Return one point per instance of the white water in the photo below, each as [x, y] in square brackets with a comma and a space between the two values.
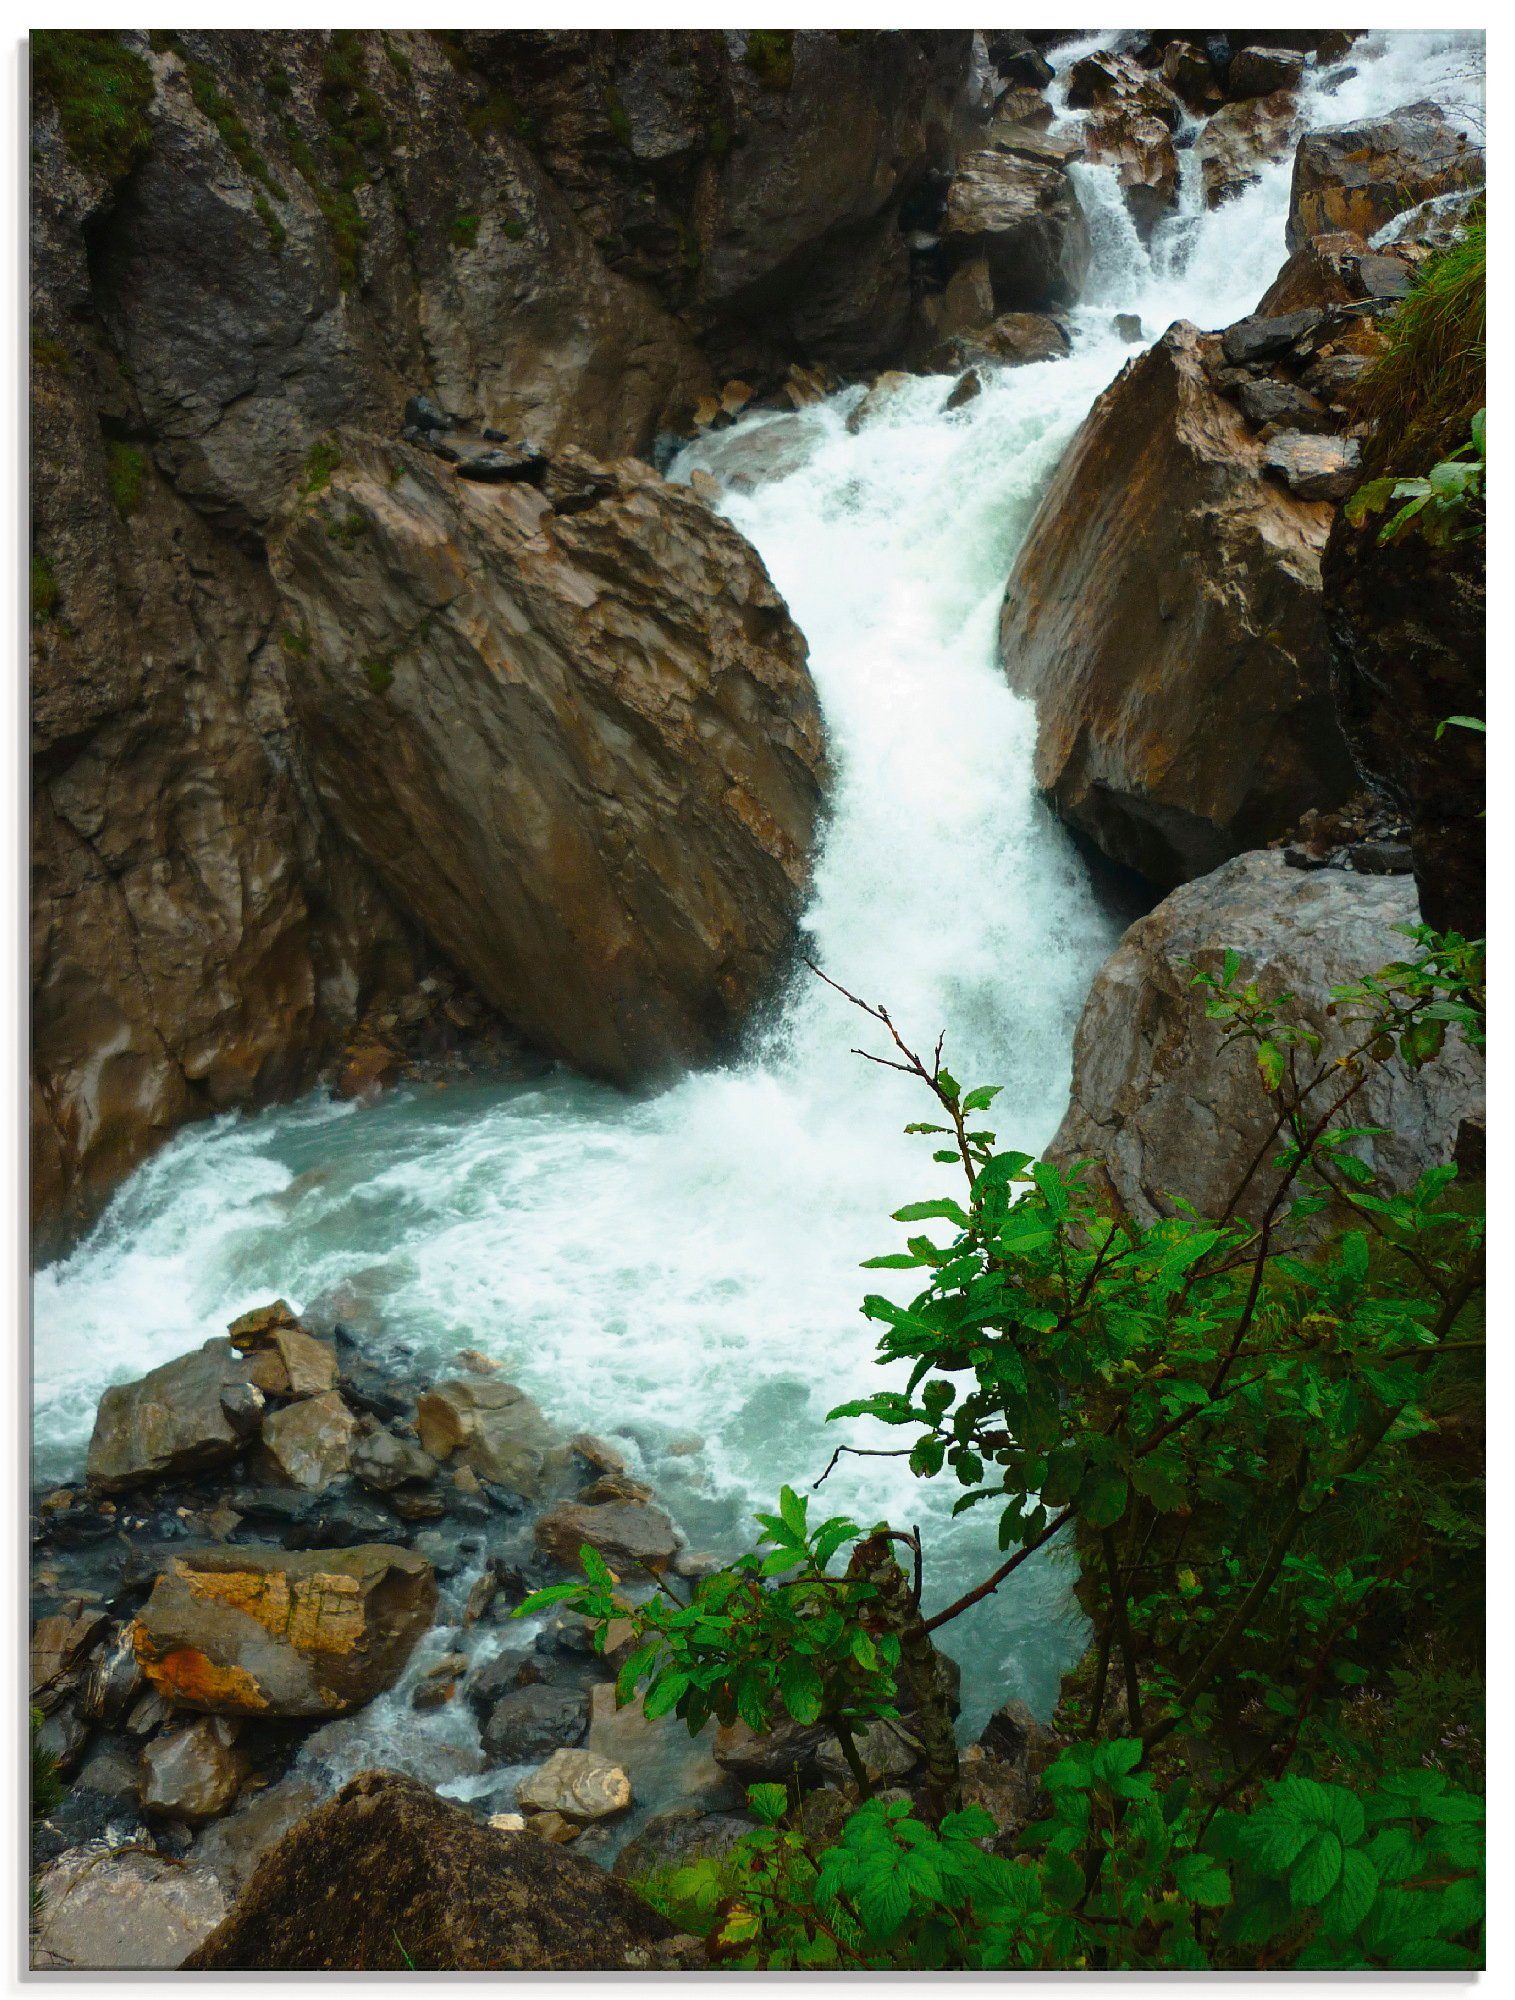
[685, 1267]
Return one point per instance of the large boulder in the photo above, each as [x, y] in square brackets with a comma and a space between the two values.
[492, 1426]
[1164, 614]
[193, 1413]
[1132, 116]
[629, 1534]
[1167, 1112]
[1361, 175]
[570, 725]
[1022, 217]
[1241, 139]
[387, 1877]
[248, 1631]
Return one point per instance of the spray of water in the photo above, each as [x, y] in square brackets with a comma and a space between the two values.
[683, 1269]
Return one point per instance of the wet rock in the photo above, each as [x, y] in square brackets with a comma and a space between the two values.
[113, 1682]
[629, 1535]
[1167, 1112]
[171, 1422]
[309, 1444]
[1316, 468]
[253, 1631]
[496, 1428]
[645, 683]
[59, 1647]
[1107, 77]
[1190, 75]
[527, 1723]
[1261, 338]
[427, 1888]
[964, 390]
[1169, 628]
[1022, 218]
[492, 467]
[1325, 271]
[1241, 139]
[147, 1714]
[1361, 175]
[1270, 400]
[1014, 1735]
[677, 1838]
[663, 1761]
[1012, 340]
[232, 1846]
[384, 1462]
[499, 1676]
[576, 1783]
[776, 1756]
[1128, 326]
[422, 414]
[292, 1363]
[886, 1756]
[128, 1912]
[1255, 72]
[1132, 116]
[1015, 60]
[1005, 1790]
[64, 1736]
[192, 1773]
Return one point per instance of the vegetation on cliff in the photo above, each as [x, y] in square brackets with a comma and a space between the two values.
[1267, 1454]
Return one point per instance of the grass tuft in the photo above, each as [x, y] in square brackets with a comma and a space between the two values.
[1422, 393]
[125, 470]
[102, 90]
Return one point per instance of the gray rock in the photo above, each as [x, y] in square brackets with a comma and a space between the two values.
[629, 1534]
[1315, 468]
[1270, 401]
[494, 467]
[1022, 218]
[113, 1682]
[1259, 339]
[192, 1773]
[675, 1839]
[384, 1462]
[172, 1421]
[126, 1912]
[529, 1722]
[1165, 1112]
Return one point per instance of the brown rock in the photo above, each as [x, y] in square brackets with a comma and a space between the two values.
[1022, 218]
[499, 1431]
[252, 1331]
[781, 1755]
[1166, 1111]
[1316, 468]
[184, 1417]
[531, 678]
[1259, 72]
[113, 1682]
[264, 1631]
[628, 1534]
[127, 1911]
[1325, 271]
[309, 1444]
[192, 1773]
[1190, 75]
[1164, 613]
[426, 1888]
[60, 1643]
[1360, 176]
[577, 1784]
[1243, 138]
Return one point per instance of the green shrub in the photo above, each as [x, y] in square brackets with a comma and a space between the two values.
[273, 227]
[464, 230]
[102, 90]
[379, 671]
[321, 461]
[347, 531]
[47, 1783]
[125, 470]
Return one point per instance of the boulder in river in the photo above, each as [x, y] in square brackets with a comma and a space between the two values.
[1361, 175]
[1022, 217]
[187, 1416]
[309, 1443]
[279, 1633]
[192, 1772]
[1164, 613]
[1241, 139]
[492, 1426]
[577, 1784]
[423, 1887]
[629, 1534]
[1167, 1112]
[529, 1722]
[581, 748]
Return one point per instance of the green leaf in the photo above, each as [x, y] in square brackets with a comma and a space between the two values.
[1352, 1898]
[1202, 1880]
[1316, 1869]
[1270, 1062]
[768, 1803]
[792, 1510]
[932, 1211]
[1102, 1497]
[801, 1688]
[981, 1098]
[665, 1694]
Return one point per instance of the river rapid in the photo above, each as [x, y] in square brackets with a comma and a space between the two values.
[679, 1271]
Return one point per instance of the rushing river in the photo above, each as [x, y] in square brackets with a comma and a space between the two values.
[681, 1270]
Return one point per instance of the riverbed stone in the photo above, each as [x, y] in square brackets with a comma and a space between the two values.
[385, 1462]
[578, 1784]
[192, 1773]
[309, 1443]
[271, 1632]
[630, 1535]
[529, 1722]
[173, 1421]
[113, 1681]
[99, 1910]
[492, 1426]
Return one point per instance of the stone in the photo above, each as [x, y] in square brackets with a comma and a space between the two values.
[132, 1911]
[1264, 339]
[310, 1365]
[497, 1429]
[1190, 75]
[261, 1632]
[1015, 60]
[1325, 271]
[426, 1888]
[518, 462]
[1012, 340]
[192, 1773]
[666, 1765]
[1107, 77]
[630, 1535]
[64, 1736]
[169, 1423]
[113, 1682]
[578, 1784]
[1316, 468]
[309, 1443]
[1167, 1112]
[1241, 139]
[1255, 72]
[338, 1518]
[425, 415]
[1271, 400]
[1128, 326]
[252, 1331]
[385, 1462]
[232, 1846]
[886, 1757]
[630, 947]
[528, 1722]
[1360, 175]
[1164, 613]
[964, 390]
[781, 1755]
[1022, 218]
[59, 1646]
[1014, 1735]
[497, 1677]
[1125, 134]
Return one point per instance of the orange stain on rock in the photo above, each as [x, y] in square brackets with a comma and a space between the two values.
[321, 1613]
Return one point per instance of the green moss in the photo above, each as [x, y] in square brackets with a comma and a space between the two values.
[615, 116]
[770, 56]
[277, 86]
[347, 531]
[44, 591]
[354, 118]
[296, 644]
[213, 104]
[379, 671]
[464, 230]
[499, 112]
[125, 470]
[50, 353]
[277, 233]
[512, 228]
[1423, 391]
[321, 461]
[399, 62]
[101, 90]
[343, 218]
[717, 139]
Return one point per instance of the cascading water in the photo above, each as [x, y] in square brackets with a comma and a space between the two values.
[682, 1270]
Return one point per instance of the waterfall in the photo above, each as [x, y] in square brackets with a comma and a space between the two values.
[681, 1270]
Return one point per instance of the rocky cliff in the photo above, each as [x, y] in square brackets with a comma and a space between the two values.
[243, 241]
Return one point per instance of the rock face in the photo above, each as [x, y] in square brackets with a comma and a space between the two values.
[1408, 636]
[1243, 138]
[1164, 613]
[1132, 118]
[1022, 218]
[388, 1877]
[494, 1428]
[567, 236]
[262, 1632]
[1166, 1112]
[129, 1912]
[1362, 175]
[194, 1412]
[578, 739]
